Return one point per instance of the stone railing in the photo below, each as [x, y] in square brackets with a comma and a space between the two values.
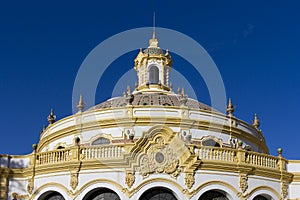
[218, 154]
[79, 153]
[101, 152]
[206, 154]
[51, 157]
[240, 156]
[261, 160]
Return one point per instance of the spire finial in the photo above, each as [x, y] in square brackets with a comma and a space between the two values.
[128, 90]
[171, 86]
[153, 42]
[230, 108]
[154, 31]
[255, 122]
[80, 106]
[51, 117]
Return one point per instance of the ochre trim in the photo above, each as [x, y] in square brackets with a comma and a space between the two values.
[263, 188]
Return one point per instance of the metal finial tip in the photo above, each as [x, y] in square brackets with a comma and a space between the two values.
[51, 117]
[230, 107]
[81, 105]
[34, 146]
[128, 90]
[256, 122]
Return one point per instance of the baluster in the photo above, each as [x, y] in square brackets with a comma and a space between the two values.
[102, 152]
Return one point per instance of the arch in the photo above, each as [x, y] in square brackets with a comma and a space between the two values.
[47, 188]
[262, 197]
[213, 195]
[167, 184]
[101, 184]
[228, 190]
[101, 194]
[211, 143]
[101, 141]
[264, 191]
[153, 74]
[51, 195]
[158, 193]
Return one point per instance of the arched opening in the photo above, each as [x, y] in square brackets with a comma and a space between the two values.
[101, 141]
[262, 197]
[153, 75]
[101, 194]
[158, 193]
[213, 195]
[51, 195]
[211, 143]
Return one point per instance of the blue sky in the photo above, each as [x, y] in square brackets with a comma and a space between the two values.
[254, 44]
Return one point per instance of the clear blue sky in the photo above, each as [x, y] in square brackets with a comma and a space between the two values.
[254, 44]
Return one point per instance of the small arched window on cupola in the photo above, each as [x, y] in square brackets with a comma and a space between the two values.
[101, 141]
[211, 143]
[153, 74]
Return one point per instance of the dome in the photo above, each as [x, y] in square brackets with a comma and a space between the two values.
[153, 99]
[150, 143]
[153, 50]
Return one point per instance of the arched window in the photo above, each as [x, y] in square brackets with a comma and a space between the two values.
[213, 195]
[51, 195]
[101, 194]
[153, 75]
[101, 141]
[211, 143]
[158, 193]
[262, 197]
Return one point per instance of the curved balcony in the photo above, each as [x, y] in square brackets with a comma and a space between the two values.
[109, 156]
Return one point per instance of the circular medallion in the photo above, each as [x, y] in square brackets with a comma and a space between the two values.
[159, 157]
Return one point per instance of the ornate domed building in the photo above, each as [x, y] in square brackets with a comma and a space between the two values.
[150, 144]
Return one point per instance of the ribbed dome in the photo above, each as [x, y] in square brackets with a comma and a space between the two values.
[153, 50]
[152, 99]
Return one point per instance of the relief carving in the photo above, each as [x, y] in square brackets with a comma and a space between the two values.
[74, 180]
[160, 158]
[243, 182]
[189, 180]
[30, 185]
[284, 189]
[129, 179]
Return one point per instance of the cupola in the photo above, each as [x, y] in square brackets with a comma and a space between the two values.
[153, 66]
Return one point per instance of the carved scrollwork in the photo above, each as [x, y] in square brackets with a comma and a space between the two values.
[189, 180]
[160, 158]
[284, 189]
[243, 182]
[74, 180]
[30, 185]
[129, 179]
